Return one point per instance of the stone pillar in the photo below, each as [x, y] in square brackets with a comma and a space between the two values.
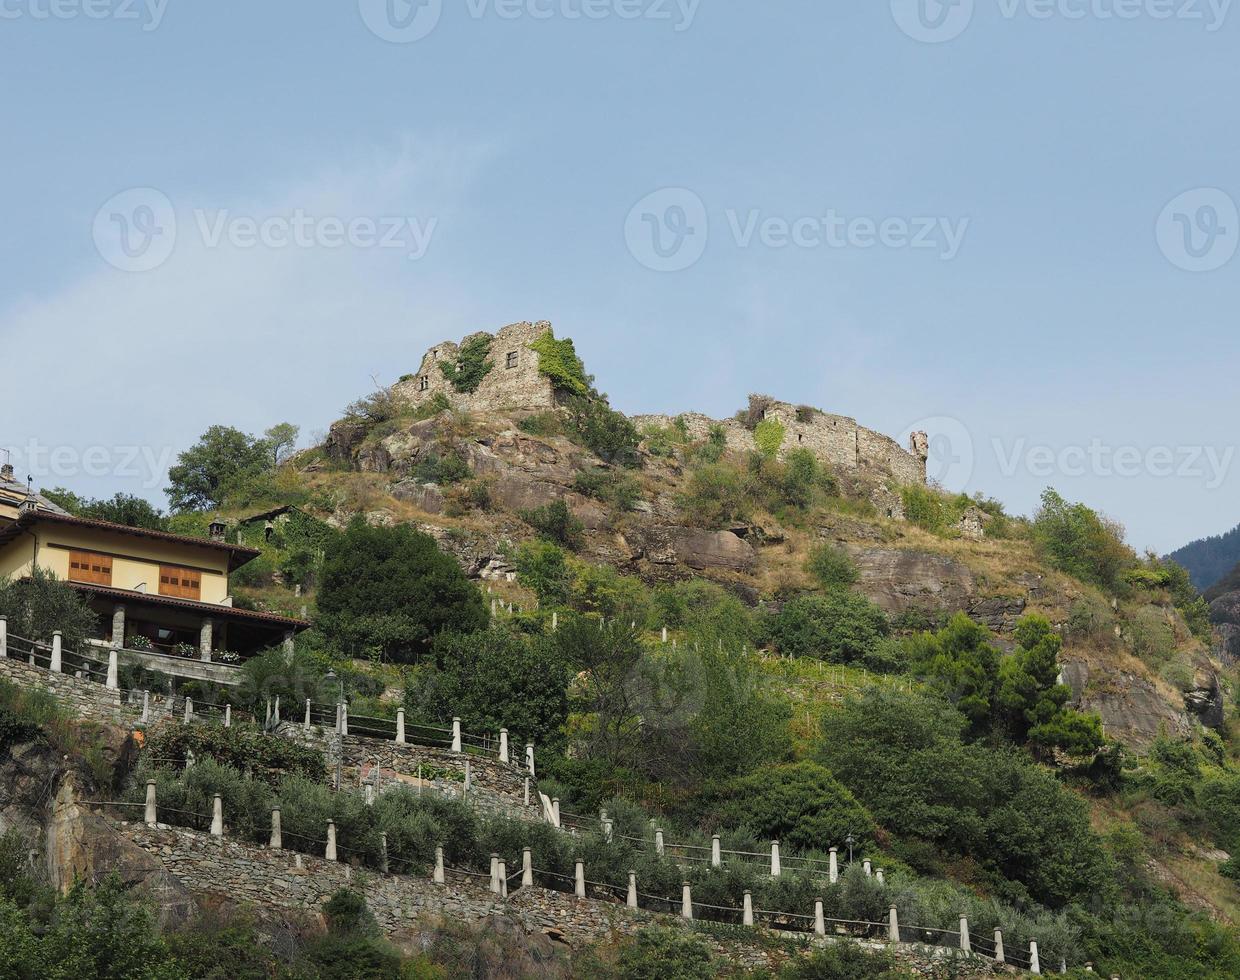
[330, 852]
[344, 718]
[631, 901]
[747, 912]
[114, 671]
[865, 866]
[529, 757]
[57, 664]
[999, 957]
[716, 853]
[368, 794]
[965, 944]
[277, 833]
[456, 734]
[555, 811]
[228, 716]
[206, 638]
[439, 877]
[152, 814]
[146, 707]
[658, 842]
[503, 878]
[880, 877]
[118, 625]
[217, 816]
[400, 726]
[189, 711]
[776, 866]
[503, 745]
[527, 868]
[893, 925]
[494, 872]
[4, 636]
[339, 705]
[527, 790]
[686, 902]
[580, 876]
[307, 725]
[835, 865]
[288, 646]
[1035, 964]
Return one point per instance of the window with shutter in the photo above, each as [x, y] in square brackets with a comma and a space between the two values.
[86, 566]
[182, 583]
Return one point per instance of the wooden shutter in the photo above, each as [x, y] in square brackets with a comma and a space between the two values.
[183, 583]
[86, 566]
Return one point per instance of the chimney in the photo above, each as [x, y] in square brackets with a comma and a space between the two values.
[28, 506]
[216, 529]
[6, 473]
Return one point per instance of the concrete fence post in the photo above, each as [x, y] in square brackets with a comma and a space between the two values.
[664, 634]
[686, 902]
[835, 865]
[631, 901]
[189, 711]
[330, 852]
[1035, 964]
[307, 723]
[527, 790]
[114, 671]
[776, 866]
[999, 957]
[228, 716]
[607, 831]
[152, 813]
[146, 707]
[503, 745]
[555, 811]
[716, 853]
[880, 877]
[865, 866]
[267, 715]
[965, 943]
[495, 872]
[893, 925]
[456, 734]
[217, 816]
[275, 714]
[747, 912]
[400, 726]
[277, 831]
[4, 636]
[344, 718]
[527, 868]
[440, 877]
[57, 654]
[580, 876]
[529, 758]
[658, 842]
[469, 777]
[820, 921]
[368, 794]
[503, 878]
[555, 621]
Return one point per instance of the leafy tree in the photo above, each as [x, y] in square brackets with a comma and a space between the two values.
[800, 804]
[591, 421]
[500, 679]
[833, 567]
[839, 627]
[555, 522]
[221, 459]
[39, 604]
[1077, 540]
[123, 508]
[390, 591]
[962, 663]
[1031, 701]
[543, 567]
[281, 439]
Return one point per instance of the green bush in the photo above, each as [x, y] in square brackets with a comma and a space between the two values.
[555, 522]
[1077, 540]
[617, 489]
[542, 424]
[833, 567]
[243, 747]
[717, 496]
[663, 954]
[839, 627]
[593, 423]
[40, 604]
[444, 468]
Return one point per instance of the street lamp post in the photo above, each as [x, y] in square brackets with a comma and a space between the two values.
[850, 840]
[331, 676]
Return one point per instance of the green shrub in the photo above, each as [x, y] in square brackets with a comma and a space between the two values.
[555, 522]
[437, 404]
[40, 604]
[664, 954]
[833, 567]
[593, 423]
[444, 468]
[716, 497]
[243, 747]
[612, 487]
[542, 424]
[768, 435]
[840, 627]
[1080, 542]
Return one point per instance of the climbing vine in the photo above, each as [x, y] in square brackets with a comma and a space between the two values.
[769, 436]
[471, 364]
[558, 360]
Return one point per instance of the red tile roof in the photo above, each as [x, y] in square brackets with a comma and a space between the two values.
[208, 608]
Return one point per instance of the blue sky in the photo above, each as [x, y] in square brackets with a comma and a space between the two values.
[967, 218]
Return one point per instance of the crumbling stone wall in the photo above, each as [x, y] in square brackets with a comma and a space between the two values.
[834, 439]
[514, 382]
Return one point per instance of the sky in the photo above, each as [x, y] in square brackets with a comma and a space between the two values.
[1010, 223]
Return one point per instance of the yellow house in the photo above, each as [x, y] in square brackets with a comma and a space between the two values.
[151, 589]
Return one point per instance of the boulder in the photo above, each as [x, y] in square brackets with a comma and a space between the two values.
[663, 544]
[898, 580]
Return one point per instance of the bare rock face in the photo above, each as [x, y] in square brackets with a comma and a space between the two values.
[1205, 699]
[668, 545]
[343, 440]
[897, 580]
[1131, 707]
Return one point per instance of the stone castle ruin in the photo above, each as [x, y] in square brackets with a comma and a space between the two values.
[515, 384]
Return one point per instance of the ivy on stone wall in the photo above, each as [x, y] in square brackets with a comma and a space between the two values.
[558, 360]
[769, 437]
[471, 364]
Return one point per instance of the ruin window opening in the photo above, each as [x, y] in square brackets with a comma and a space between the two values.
[512, 360]
[424, 382]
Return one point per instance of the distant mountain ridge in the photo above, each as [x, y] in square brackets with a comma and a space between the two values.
[1209, 559]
